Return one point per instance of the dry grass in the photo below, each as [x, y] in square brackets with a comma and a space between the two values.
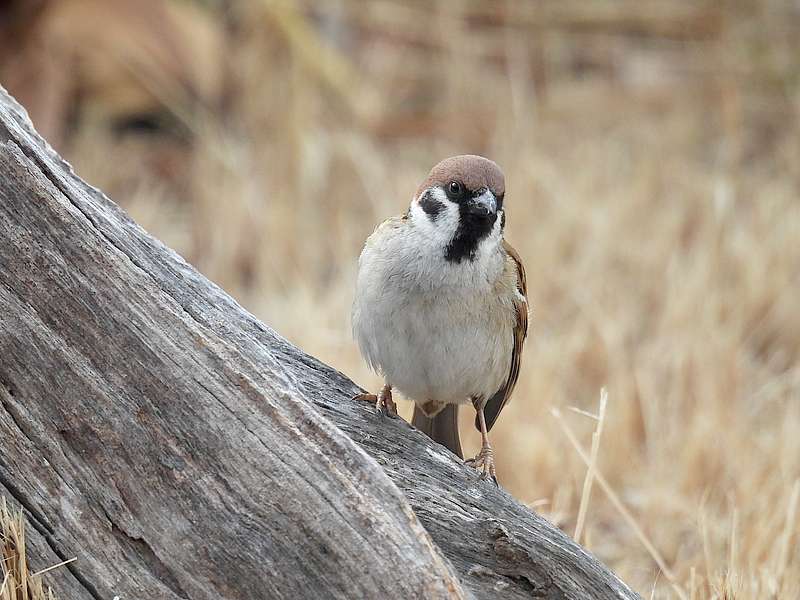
[16, 581]
[652, 154]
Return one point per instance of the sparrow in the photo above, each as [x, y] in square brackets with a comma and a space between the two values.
[440, 308]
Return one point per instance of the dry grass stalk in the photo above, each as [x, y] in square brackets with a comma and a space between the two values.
[620, 506]
[788, 534]
[589, 479]
[18, 582]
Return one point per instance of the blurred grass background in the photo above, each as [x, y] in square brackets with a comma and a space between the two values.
[652, 157]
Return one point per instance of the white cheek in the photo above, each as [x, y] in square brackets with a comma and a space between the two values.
[441, 230]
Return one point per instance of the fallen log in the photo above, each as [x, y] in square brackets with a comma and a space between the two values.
[180, 448]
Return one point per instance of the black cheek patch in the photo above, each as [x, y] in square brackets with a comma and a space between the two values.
[432, 207]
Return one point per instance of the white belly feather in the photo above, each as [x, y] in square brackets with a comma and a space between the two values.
[436, 331]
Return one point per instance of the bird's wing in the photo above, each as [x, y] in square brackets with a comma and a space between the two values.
[496, 403]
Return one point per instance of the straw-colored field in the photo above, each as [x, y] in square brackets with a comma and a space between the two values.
[652, 158]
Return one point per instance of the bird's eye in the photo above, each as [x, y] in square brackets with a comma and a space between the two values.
[454, 188]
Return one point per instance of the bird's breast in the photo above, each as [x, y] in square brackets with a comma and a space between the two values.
[436, 332]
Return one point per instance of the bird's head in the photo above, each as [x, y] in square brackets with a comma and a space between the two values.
[460, 205]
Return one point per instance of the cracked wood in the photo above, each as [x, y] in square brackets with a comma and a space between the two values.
[182, 449]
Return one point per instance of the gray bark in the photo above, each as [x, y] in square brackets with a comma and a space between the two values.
[180, 448]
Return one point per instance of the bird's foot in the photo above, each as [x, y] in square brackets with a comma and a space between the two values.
[365, 397]
[484, 463]
[385, 404]
[383, 401]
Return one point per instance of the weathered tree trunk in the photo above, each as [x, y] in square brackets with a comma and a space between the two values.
[181, 449]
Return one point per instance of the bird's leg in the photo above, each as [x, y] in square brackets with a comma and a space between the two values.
[383, 401]
[484, 461]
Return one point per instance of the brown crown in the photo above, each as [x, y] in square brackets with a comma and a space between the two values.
[474, 172]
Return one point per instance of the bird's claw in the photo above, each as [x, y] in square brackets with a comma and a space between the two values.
[385, 404]
[365, 397]
[484, 464]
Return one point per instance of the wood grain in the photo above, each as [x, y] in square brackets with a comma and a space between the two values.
[180, 448]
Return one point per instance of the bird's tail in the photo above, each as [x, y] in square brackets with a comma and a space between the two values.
[443, 428]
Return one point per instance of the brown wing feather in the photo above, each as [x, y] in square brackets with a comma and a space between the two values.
[496, 403]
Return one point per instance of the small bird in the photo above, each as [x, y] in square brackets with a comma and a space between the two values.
[440, 308]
